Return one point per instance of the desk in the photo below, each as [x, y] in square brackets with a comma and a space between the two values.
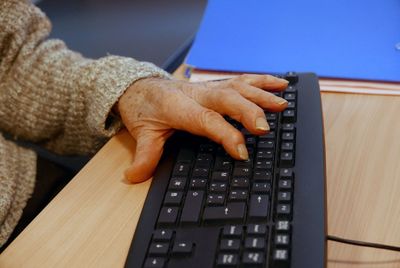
[92, 221]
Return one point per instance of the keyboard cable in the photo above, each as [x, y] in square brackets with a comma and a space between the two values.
[361, 243]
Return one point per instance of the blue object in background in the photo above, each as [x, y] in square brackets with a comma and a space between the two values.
[353, 39]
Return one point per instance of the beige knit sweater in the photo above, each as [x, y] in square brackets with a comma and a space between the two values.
[52, 96]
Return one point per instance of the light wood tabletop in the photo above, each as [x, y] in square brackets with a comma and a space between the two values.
[92, 221]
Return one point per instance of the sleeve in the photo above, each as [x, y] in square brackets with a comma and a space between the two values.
[54, 96]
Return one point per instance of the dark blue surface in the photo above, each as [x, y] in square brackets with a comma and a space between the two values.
[335, 38]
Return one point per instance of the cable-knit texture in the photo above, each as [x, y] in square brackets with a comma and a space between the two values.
[53, 96]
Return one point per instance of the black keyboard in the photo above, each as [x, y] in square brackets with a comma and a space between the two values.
[205, 209]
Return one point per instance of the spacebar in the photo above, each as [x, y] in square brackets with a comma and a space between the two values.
[230, 212]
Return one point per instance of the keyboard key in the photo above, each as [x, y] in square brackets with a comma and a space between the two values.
[173, 198]
[282, 240]
[263, 164]
[182, 248]
[289, 116]
[259, 206]
[181, 169]
[220, 176]
[266, 144]
[244, 164]
[261, 187]
[254, 243]
[284, 197]
[253, 258]
[271, 116]
[257, 229]
[158, 248]
[200, 172]
[292, 77]
[238, 195]
[286, 173]
[285, 185]
[287, 159]
[268, 136]
[223, 164]
[289, 96]
[185, 155]
[192, 207]
[162, 235]
[291, 105]
[291, 89]
[230, 212]
[250, 141]
[230, 245]
[288, 136]
[227, 260]
[240, 183]
[288, 127]
[218, 187]
[215, 199]
[198, 183]
[206, 148]
[154, 263]
[283, 210]
[232, 231]
[241, 172]
[177, 184]
[168, 215]
[287, 146]
[262, 175]
[282, 226]
[204, 160]
[281, 255]
[264, 154]
[272, 125]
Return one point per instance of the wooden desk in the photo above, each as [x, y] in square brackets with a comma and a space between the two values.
[92, 221]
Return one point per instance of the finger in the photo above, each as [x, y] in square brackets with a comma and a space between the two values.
[267, 82]
[149, 148]
[205, 122]
[262, 98]
[230, 102]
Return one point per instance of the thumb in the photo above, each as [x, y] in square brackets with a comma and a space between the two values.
[149, 148]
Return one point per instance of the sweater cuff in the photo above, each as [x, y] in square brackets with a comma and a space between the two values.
[114, 77]
[17, 181]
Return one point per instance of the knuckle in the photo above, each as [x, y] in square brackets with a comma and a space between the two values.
[245, 77]
[207, 117]
[237, 137]
[268, 78]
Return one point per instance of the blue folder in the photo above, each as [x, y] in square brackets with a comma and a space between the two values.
[355, 39]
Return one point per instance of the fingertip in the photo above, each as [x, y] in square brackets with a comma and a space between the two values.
[242, 151]
[136, 175]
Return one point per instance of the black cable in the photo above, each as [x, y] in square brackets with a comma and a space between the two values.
[361, 243]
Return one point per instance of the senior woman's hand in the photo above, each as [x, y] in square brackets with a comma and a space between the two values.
[152, 108]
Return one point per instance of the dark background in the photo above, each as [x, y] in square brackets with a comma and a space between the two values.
[149, 30]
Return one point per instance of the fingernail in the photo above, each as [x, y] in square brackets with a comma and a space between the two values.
[280, 101]
[282, 80]
[242, 150]
[261, 124]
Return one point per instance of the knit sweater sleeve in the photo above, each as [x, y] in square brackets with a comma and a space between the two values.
[52, 95]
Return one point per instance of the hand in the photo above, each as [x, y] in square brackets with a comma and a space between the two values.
[153, 107]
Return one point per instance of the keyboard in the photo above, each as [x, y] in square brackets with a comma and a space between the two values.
[205, 209]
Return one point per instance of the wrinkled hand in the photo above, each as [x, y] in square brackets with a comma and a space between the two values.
[153, 107]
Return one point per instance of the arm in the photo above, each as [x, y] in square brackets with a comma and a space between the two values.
[52, 95]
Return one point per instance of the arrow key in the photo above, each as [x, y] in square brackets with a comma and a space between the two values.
[182, 247]
[158, 248]
[154, 263]
[259, 206]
